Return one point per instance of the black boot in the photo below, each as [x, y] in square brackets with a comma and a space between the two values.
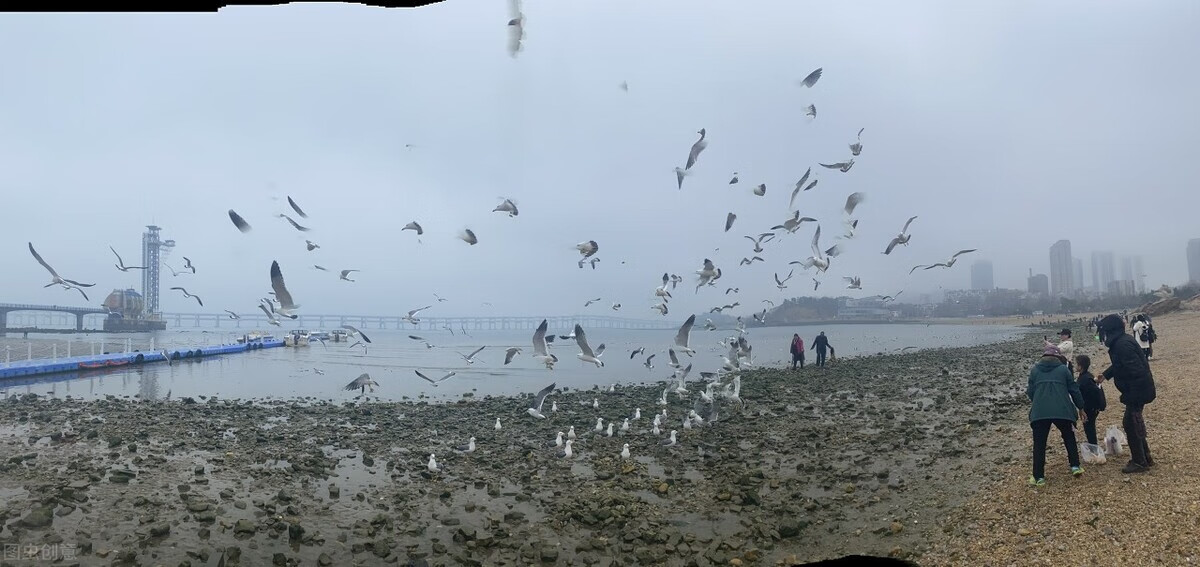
[1146, 452]
[1137, 454]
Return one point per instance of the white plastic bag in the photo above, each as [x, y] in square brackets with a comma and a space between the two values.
[1114, 441]
[1091, 454]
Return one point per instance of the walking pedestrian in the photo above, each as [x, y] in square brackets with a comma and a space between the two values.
[821, 344]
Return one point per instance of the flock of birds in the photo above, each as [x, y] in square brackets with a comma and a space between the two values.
[720, 386]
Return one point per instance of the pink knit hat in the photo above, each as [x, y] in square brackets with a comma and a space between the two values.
[1052, 350]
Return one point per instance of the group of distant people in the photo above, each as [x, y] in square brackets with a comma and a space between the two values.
[820, 344]
[1063, 390]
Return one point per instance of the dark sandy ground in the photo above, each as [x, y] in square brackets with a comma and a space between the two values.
[866, 456]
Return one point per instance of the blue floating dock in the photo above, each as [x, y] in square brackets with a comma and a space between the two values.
[116, 360]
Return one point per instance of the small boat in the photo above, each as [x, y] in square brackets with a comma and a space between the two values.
[338, 336]
[91, 365]
[298, 338]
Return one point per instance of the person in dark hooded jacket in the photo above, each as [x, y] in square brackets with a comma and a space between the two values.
[1130, 371]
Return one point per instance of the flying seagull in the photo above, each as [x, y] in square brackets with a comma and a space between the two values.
[649, 365]
[410, 316]
[435, 382]
[510, 353]
[471, 357]
[856, 147]
[516, 28]
[295, 224]
[238, 221]
[54, 277]
[696, 149]
[322, 268]
[187, 264]
[735, 178]
[591, 301]
[817, 259]
[800, 187]
[414, 226]
[852, 201]
[782, 284]
[346, 273]
[729, 221]
[793, 223]
[708, 273]
[760, 189]
[296, 208]
[311, 245]
[354, 331]
[901, 238]
[468, 236]
[684, 334]
[844, 166]
[624, 86]
[270, 314]
[586, 353]
[540, 346]
[812, 78]
[186, 294]
[439, 298]
[588, 248]
[758, 242]
[508, 206]
[639, 350]
[950, 263]
[853, 282]
[535, 409]
[286, 305]
[811, 111]
[233, 315]
[121, 263]
[362, 383]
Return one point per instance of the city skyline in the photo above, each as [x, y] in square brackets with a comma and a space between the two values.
[1062, 269]
[982, 276]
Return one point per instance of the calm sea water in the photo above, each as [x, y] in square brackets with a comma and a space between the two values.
[323, 371]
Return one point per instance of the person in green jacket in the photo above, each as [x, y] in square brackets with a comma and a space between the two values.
[1056, 401]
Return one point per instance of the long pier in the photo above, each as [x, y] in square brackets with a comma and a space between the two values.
[55, 311]
[477, 323]
[107, 361]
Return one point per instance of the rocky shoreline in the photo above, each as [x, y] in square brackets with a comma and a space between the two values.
[865, 456]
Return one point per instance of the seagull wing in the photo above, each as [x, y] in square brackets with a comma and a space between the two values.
[415, 311]
[264, 308]
[541, 397]
[360, 382]
[295, 224]
[729, 221]
[539, 339]
[915, 268]
[119, 260]
[509, 354]
[799, 187]
[430, 380]
[905, 230]
[238, 221]
[961, 252]
[281, 292]
[891, 245]
[296, 208]
[581, 339]
[681, 338]
[448, 376]
[38, 257]
[812, 78]
[674, 359]
[477, 351]
[816, 239]
[852, 201]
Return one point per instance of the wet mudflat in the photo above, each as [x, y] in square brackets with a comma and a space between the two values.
[865, 456]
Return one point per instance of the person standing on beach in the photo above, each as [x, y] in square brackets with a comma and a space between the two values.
[1130, 371]
[797, 351]
[821, 344]
[1141, 334]
[1066, 347]
[1056, 401]
[1093, 397]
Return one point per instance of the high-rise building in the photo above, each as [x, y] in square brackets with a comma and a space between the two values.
[1062, 269]
[1103, 271]
[981, 276]
[1193, 259]
[1139, 275]
[1125, 268]
[1039, 284]
[1078, 273]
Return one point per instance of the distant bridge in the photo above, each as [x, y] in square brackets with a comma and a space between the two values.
[78, 312]
[478, 323]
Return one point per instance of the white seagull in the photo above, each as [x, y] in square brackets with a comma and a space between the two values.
[800, 187]
[286, 305]
[696, 149]
[682, 337]
[54, 277]
[435, 382]
[540, 346]
[508, 206]
[516, 28]
[586, 355]
[535, 409]
[510, 353]
[121, 263]
[471, 358]
[853, 282]
[410, 316]
[901, 238]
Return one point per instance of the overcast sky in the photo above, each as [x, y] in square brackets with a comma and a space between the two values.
[1005, 126]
